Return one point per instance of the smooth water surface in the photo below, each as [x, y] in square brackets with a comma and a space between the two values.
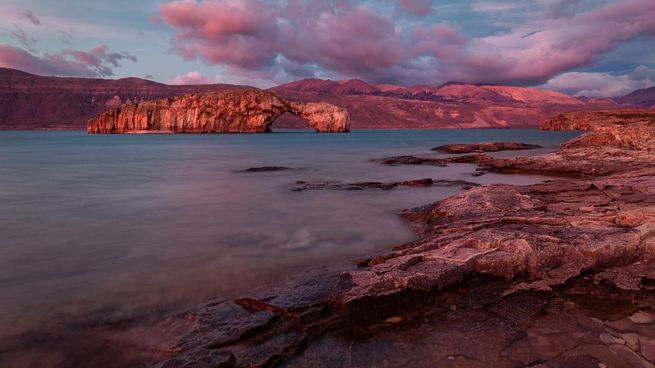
[110, 224]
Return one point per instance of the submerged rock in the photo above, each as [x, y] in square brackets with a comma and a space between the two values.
[484, 147]
[267, 169]
[418, 183]
[243, 111]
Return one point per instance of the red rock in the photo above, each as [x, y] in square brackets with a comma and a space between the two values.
[245, 111]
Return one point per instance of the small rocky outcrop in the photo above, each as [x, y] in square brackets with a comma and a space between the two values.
[485, 147]
[244, 111]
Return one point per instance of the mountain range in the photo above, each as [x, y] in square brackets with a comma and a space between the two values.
[29, 101]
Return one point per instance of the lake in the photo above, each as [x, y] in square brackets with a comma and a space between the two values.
[105, 226]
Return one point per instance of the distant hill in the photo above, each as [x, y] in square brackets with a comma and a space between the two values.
[29, 101]
[452, 105]
[642, 97]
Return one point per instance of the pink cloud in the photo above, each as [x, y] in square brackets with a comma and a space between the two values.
[283, 40]
[92, 63]
[190, 78]
[227, 32]
[535, 52]
[252, 35]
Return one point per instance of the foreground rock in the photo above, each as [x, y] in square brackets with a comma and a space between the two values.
[484, 147]
[243, 111]
[555, 274]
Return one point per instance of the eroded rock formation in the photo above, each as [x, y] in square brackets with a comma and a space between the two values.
[245, 111]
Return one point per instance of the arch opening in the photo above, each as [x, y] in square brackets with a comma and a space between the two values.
[289, 121]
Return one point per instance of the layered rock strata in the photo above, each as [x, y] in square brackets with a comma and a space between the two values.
[244, 111]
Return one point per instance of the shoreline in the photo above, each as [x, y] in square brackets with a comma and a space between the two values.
[595, 231]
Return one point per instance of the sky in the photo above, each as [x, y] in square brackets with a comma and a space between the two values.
[594, 48]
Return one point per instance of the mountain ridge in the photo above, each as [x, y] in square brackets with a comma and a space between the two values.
[29, 101]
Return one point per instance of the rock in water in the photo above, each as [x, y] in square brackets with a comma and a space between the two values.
[485, 147]
[244, 111]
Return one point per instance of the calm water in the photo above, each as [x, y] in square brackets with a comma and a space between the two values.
[111, 224]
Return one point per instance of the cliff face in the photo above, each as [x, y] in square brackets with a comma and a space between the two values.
[245, 111]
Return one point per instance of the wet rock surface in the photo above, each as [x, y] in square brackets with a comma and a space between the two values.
[557, 274]
[484, 147]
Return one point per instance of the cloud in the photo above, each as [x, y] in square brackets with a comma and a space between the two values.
[97, 62]
[603, 84]
[562, 8]
[493, 7]
[565, 43]
[190, 78]
[24, 39]
[29, 15]
[291, 39]
[418, 8]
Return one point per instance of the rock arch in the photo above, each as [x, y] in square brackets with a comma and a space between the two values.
[242, 111]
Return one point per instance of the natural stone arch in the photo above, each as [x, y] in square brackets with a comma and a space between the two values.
[320, 116]
[242, 111]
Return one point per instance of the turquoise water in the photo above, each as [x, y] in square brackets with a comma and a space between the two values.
[101, 225]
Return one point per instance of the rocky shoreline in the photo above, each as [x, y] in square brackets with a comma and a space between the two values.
[556, 274]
